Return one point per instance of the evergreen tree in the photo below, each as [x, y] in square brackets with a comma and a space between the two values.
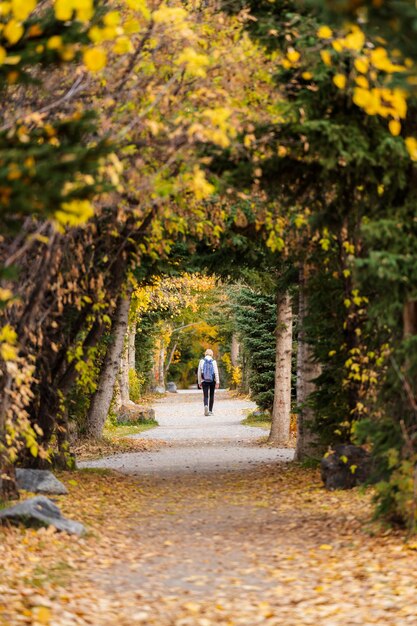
[255, 315]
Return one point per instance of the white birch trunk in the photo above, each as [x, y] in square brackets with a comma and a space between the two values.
[132, 345]
[124, 373]
[234, 350]
[170, 358]
[117, 396]
[307, 371]
[161, 364]
[101, 401]
[281, 412]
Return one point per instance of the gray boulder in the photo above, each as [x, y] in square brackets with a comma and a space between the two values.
[261, 415]
[346, 467]
[39, 481]
[134, 414]
[172, 387]
[159, 389]
[40, 512]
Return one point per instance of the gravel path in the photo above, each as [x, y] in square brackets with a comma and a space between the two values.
[197, 443]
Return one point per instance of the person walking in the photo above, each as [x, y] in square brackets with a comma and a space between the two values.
[208, 379]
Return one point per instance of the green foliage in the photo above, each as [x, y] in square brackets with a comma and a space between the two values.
[116, 430]
[258, 419]
[255, 316]
[145, 345]
[60, 153]
[136, 384]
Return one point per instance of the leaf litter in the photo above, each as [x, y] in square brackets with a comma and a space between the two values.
[265, 546]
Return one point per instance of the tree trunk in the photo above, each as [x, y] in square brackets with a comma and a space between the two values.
[307, 371]
[117, 396]
[234, 350]
[410, 318]
[124, 373]
[132, 345]
[244, 386]
[127, 363]
[8, 488]
[161, 364]
[170, 357]
[281, 412]
[100, 403]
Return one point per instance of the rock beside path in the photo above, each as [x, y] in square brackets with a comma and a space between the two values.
[346, 467]
[172, 387]
[39, 481]
[40, 512]
[134, 413]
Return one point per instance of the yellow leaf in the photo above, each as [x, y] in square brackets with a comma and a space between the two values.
[141, 6]
[13, 31]
[95, 59]
[123, 45]
[324, 32]
[131, 26]
[5, 294]
[166, 14]
[54, 42]
[200, 185]
[325, 546]
[42, 615]
[63, 10]
[361, 64]
[361, 81]
[326, 57]
[394, 127]
[21, 9]
[112, 18]
[411, 145]
[340, 81]
[292, 55]
[8, 352]
[5, 8]
[74, 212]
[355, 40]
[194, 62]
[8, 334]
[84, 9]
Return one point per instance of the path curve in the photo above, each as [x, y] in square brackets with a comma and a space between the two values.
[198, 443]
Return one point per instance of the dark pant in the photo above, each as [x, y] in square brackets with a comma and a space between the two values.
[208, 389]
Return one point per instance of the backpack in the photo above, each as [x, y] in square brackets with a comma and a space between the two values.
[208, 371]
